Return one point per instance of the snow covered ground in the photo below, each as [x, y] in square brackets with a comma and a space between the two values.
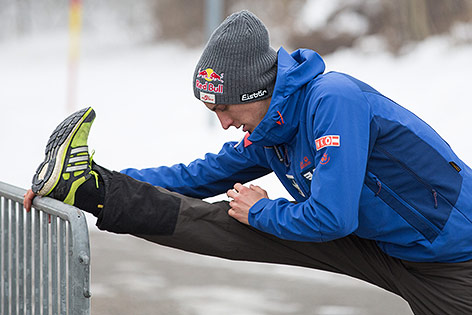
[147, 115]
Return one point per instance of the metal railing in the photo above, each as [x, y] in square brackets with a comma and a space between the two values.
[45, 256]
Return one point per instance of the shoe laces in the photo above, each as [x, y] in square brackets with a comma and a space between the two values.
[92, 172]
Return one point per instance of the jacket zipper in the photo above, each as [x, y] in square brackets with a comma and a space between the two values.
[282, 156]
[418, 178]
[392, 193]
[389, 190]
[279, 155]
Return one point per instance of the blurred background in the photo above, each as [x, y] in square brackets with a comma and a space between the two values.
[133, 62]
[322, 25]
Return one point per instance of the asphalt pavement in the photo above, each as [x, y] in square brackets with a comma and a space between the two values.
[131, 276]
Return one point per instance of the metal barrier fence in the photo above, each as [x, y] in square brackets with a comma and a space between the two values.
[45, 256]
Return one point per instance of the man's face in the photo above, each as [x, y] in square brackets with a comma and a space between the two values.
[247, 115]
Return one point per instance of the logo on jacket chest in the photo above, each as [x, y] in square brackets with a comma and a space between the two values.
[294, 183]
[307, 168]
[308, 174]
[306, 162]
[303, 183]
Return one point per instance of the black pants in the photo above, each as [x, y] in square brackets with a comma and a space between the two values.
[174, 220]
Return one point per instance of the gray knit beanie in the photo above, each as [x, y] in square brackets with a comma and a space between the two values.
[237, 65]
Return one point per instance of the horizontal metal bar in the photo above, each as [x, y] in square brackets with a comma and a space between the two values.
[46, 204]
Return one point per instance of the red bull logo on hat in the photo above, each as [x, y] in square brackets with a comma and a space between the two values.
[211, 80]
[210, 75]
[209, 87]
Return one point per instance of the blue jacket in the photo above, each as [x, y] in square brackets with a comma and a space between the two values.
[355, 161]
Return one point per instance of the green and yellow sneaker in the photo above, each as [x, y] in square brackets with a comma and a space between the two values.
[67, 164]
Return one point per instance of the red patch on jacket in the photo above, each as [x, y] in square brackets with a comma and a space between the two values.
[327, 141]
[246, 140]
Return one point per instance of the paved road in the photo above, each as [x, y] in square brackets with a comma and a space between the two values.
[132, 276]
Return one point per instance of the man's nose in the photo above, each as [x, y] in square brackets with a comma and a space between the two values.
[225, 121]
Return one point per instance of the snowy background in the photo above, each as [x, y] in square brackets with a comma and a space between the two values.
[147, 116]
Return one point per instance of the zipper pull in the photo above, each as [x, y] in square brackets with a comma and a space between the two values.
[380, 187]
[286, 160]
[279, 155]
[435, 196]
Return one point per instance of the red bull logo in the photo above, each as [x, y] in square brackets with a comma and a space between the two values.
[209, 87]
[210, 75]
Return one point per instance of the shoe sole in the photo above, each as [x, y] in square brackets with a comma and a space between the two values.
[48, 173]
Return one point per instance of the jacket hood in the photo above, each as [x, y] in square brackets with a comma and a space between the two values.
[294, 71]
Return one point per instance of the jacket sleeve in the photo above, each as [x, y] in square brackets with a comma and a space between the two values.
[207, 177]
[331, 211]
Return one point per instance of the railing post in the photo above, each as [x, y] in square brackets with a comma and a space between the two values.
[14, 250]
[6, 255]
[21, 260]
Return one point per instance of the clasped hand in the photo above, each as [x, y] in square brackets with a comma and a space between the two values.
[243, 198]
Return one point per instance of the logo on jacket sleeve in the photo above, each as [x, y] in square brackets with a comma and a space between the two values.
[327, 141]
[325, 159]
